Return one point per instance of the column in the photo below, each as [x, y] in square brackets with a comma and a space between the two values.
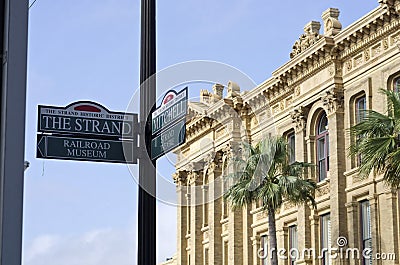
[196, 236]
[333, 102]
[389, 233]
[353, 221]
[181, 190]
[215, 211]
[304, 211]
[314, 225]
[373, 203]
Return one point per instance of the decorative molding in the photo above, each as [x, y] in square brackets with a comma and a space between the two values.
[332, 100]
[298, 116]
[180, 177]
[323, 190]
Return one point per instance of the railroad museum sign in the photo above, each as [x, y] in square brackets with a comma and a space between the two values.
[87, 131]
[168, 123]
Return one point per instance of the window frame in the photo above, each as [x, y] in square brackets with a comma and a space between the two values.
[357, 118]
[395, 84]
[322, 136]
[264, 242]
[365, 239]
[325, 220]
[292, 230]
[291, 145]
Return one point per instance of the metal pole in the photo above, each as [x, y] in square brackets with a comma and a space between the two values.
[147, 167]
[14, 38]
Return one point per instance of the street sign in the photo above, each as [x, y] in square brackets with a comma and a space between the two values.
[70, 148]
[168, 139]
[87, 118]
[172, 109]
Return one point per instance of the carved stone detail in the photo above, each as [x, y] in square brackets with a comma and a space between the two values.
[299, 118]
[332, 100]
[366, 55]
[323, 190]
[289, 205]
[297, 91]
[180, 177]
[385, 43]
[218, 90]
[332, 25]
[307, 39]
[349, 65]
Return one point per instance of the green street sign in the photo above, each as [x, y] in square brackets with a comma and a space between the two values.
[168, 140]
[87, 118]
[173, 108]
[84, 149]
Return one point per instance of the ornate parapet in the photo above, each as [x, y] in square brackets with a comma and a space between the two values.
[307, 39]
[298, 116]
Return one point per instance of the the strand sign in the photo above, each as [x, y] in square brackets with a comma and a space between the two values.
[86, 118]
[87, 131]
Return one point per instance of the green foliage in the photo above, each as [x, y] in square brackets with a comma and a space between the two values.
[263, 172]
[378, 140]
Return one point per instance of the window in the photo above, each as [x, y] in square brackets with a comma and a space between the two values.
[360, 114]
[188, 213]
[366, 237]
[325, 238]
[396, 84]
[322, 147]
[206, 256]
[264, 246]
[205, 202]
[293, 246]
[225, 253]
[361, 106]
[291, 148]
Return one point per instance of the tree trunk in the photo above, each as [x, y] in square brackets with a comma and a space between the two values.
[273, 249]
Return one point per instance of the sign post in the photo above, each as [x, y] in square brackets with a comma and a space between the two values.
[13, 47]
[147, 167]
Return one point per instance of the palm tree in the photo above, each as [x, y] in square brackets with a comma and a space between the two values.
[378, 141]
[263, 173]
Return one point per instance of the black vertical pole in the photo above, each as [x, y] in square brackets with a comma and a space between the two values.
[13, 65]
[147, 167]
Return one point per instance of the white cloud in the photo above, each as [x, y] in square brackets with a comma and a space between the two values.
[103, 246]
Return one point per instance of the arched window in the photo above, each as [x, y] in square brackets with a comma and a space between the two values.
[360, 114]
[361, 106]
[396, 84]
[291, 147]
[322, 141]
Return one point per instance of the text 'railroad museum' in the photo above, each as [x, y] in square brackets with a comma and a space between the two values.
[333, 75]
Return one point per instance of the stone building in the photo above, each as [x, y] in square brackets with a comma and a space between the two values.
[333, 75]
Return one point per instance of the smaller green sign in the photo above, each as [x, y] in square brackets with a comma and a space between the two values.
[168, 140]
[71, 148]
[173, 108]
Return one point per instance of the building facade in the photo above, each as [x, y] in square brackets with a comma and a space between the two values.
[333, 75]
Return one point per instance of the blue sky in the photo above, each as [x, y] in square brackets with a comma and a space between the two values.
[79, 213]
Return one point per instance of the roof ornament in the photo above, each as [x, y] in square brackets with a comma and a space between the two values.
[332, 25]
[307, 39]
